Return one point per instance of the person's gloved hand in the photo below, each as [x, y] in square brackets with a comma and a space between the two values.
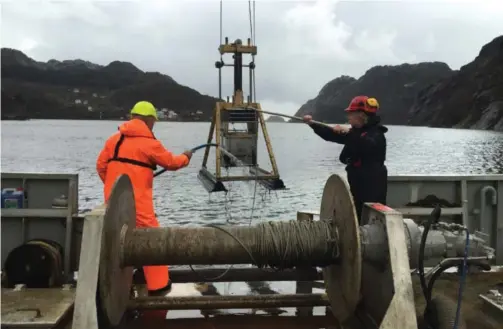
[188, 154]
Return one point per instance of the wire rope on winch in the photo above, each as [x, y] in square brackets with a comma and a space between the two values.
[236, 161]
[221, 22]
[251, 13]
[281, 245]
[252, 37]
[221, 55]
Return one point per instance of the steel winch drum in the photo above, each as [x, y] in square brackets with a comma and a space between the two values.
[342, 280]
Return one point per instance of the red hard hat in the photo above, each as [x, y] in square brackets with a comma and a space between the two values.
[363, 103]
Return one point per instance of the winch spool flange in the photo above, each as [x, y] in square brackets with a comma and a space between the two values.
[115, 280]
[342, 280]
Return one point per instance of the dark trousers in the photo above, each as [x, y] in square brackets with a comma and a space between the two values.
[367, 184]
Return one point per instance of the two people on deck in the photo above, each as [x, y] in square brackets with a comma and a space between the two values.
[134, 150]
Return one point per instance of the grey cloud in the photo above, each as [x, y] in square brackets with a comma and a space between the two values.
[302, 45]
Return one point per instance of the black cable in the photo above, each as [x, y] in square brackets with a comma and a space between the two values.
[192, 150]
[435, 215]
[230, 267]
[449, 263]
[284, 262]
[163, 171]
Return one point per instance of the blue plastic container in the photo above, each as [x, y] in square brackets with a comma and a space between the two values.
[12, 198]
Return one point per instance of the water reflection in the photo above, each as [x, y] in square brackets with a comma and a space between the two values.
[305, 162]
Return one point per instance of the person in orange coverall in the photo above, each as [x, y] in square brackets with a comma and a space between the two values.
[135, 151]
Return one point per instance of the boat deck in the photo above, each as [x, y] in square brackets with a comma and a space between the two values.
[43, 308]
[477, 313]
[468, 203]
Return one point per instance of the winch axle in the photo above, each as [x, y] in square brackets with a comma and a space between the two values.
[234, 302]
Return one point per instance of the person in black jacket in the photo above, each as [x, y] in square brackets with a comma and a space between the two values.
[364, 150]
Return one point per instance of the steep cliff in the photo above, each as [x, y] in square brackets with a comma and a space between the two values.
[470, 98]
[327, 97]
[395, 87]
[77, 89]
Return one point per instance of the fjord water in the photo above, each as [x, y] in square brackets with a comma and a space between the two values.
[305, 162]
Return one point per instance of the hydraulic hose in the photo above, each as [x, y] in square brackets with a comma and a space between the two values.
[452, 263]
[191, 150]
[202, 146]
[435, 215]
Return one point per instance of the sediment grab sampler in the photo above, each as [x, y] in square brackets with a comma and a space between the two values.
[237, 123]
[366, 269]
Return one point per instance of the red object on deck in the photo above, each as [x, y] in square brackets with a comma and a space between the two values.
[381, 207]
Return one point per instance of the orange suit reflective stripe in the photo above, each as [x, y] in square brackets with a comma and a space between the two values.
[140, 145]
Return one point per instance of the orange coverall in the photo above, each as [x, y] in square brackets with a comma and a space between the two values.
[135, 151]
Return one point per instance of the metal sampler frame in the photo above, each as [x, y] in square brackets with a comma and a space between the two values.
[241, 143]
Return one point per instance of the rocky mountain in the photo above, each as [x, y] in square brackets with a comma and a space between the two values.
[77, 89]
[395, 87]
[470, 98]
[327, 95]
[426, 94]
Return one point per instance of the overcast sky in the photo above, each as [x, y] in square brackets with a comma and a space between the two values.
[301, 45]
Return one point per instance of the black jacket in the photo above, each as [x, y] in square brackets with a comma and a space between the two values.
[363, 154]
[363, 147]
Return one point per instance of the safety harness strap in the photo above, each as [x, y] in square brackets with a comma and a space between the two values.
[126, 160]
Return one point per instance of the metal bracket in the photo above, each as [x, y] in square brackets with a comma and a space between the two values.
[387, 296]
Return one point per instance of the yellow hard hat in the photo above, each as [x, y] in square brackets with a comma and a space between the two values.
[144, 108]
